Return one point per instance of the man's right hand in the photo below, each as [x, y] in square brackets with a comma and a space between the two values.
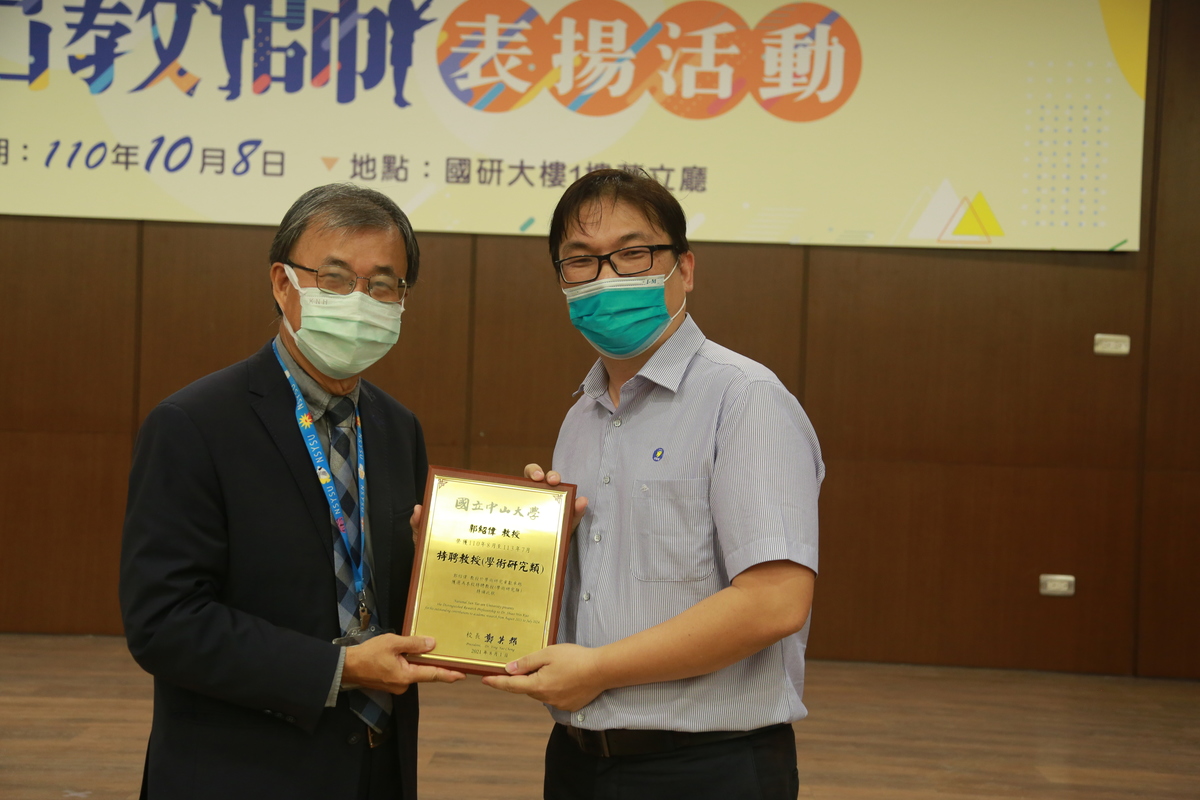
[379, 663]
[535, 473]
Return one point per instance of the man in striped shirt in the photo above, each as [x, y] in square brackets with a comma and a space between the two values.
[680, 663]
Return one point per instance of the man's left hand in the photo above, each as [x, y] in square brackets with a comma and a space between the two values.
[566, 676]
[415, 521]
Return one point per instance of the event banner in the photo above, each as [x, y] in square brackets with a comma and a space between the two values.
[1013, 124]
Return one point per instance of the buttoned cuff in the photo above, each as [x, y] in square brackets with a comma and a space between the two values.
[331, 700]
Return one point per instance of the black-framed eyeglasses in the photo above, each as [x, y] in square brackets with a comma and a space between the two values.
[626, 261]
[333, 279]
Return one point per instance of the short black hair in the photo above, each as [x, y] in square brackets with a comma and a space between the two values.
[345, 205]
[634, 187]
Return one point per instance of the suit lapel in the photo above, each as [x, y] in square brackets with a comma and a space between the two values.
[275, 405]
[380, 497]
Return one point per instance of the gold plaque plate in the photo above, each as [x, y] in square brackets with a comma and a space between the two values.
[488, 571]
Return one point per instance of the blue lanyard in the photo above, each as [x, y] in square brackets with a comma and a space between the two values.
[317, 453]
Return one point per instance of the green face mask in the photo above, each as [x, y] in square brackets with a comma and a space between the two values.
[342, 335]
[622, 317]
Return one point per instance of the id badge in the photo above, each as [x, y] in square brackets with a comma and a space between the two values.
[358, 636]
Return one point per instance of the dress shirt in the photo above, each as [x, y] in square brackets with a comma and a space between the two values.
[708, 467]
[319, 400]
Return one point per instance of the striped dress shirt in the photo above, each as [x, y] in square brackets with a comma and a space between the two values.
[319, 401]
[708, 467]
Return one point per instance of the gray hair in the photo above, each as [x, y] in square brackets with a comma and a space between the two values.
[345, 205]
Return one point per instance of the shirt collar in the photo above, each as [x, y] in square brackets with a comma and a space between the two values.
[666, 367]
[669, 363]
[319, 400]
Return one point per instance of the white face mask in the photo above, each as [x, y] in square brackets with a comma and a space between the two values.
[342, 335]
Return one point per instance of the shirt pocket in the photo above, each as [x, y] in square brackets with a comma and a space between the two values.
[672, 530]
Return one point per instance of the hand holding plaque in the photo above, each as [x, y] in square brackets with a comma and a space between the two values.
[487, 574]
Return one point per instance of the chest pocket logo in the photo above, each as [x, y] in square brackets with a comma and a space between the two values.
[672, 530]
[658, 454]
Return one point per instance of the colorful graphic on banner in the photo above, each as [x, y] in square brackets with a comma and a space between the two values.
[812, 61]
[599, 61]
[494, 56]
[861, 122]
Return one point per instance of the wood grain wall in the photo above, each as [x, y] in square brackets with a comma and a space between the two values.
[1169, 596]
[973, 441]
[68, 367]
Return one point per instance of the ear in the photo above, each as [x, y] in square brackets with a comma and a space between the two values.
[687, 269]
[281, 287]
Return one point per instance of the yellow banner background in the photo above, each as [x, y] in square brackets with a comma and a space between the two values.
[966, 128]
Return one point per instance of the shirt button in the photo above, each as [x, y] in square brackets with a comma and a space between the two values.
[617, 423]
[607, 479]
[587, 596]
[596, 537]
[580, 717]
[354, 738]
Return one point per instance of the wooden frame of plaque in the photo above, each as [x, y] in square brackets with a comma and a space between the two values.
[487, 577]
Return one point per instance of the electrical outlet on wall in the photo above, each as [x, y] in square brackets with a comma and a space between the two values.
[1057, 585]
[1110, 344]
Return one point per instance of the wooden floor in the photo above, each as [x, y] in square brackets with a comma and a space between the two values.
[75, 713]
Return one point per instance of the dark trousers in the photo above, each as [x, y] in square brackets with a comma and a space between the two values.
[757, 767]
[380, 776]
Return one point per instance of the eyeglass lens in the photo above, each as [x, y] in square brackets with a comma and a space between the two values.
[627, 261]
[340, 280]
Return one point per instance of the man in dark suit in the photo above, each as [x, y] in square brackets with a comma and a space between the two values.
[247, 551]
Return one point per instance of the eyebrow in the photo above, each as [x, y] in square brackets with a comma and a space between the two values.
[577, 245]
[334, 261]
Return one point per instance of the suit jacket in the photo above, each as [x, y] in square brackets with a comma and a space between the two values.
[228, 591]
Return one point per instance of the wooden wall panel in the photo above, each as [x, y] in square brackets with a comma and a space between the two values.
[206, 302]
[528, 360]
[60, 338]
[750, 298]
[974, 357]
[1173, 396]
[1169, 611]
[939, 564]
[1170, 599]
[972, 440]
[62, 541]
[427, 369]
[66, 412]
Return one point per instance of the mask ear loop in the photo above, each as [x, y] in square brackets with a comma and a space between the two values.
[288, 326]
[682, 307]
[291, 274]
[673, 316]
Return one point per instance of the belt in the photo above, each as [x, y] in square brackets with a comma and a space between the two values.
[626, 742]
[376, 738]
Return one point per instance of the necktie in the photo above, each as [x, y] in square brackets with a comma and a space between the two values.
[371, 705]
